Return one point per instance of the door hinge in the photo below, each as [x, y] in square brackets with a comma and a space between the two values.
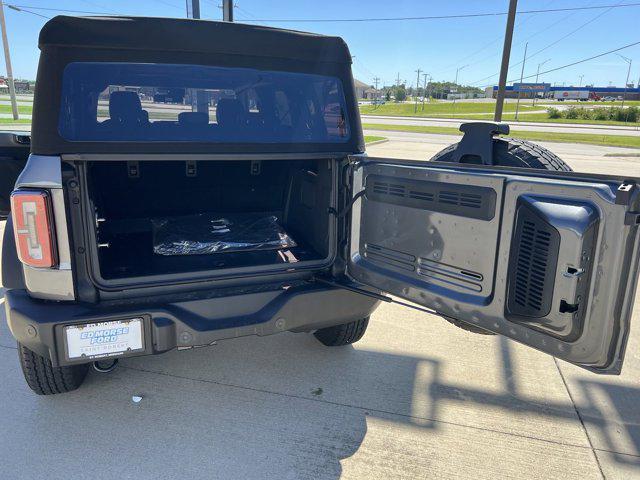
[632, 218]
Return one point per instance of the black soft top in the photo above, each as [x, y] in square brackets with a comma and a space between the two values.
[188, 35]
[64, 40]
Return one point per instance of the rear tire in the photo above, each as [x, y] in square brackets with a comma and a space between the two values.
[344, 334]
[45, 379]
[512, 152]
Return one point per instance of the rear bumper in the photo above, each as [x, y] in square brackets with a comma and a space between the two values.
[189, 322]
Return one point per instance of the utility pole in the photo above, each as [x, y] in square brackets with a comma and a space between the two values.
[195, 8]
[199, 98]
[376, 80]
[7, 59]
[506, 53]
[626, 83]
[537, 75]
[227, 10]
[415, 105]
[524, 59]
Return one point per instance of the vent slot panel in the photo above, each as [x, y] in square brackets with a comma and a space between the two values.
[455, 199]
[532, 266]
[436, 272]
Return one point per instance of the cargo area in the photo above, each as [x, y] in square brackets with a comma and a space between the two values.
[156, 218]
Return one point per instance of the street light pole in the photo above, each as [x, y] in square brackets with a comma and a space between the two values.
[580, 83]
[506, 53]
[524, 59]
[537, 75]
[7, 59]
[456, 84]
[624, 95]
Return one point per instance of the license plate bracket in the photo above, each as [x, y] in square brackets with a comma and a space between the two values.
[113, 338]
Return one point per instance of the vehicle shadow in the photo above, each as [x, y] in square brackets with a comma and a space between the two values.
[286, 407]
[330, 396]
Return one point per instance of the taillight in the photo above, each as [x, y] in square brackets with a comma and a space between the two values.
[33, 228]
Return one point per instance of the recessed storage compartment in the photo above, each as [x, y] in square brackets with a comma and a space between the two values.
[550, 264]
[156, 218]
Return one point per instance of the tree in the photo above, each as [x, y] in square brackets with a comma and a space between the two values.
[445, 87]
[400, 93]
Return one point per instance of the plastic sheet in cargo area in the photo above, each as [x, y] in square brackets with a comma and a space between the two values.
[208, 233]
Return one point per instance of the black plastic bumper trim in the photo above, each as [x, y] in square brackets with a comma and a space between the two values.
[199, 321]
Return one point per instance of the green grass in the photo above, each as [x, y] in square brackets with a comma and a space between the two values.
[484, 111]
[543, 118]
[373, 138]
[593, 139]
[9, 121]
[21, 108]
[437, 109]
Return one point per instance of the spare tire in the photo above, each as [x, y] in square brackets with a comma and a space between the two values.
[511, 152]
[507, 152]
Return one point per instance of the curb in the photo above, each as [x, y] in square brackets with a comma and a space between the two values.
[376, 142]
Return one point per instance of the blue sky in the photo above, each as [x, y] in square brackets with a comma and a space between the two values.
[385, 49]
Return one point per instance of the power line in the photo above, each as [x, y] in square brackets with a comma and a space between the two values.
[542, 30]
[487, 45]
[555, 42]
[381, 19]
[442, 17]
[579, 61]
[99, 6]
[247, 12]
[22, 10]
[169, 4]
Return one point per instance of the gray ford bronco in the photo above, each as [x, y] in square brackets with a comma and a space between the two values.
[191, 181]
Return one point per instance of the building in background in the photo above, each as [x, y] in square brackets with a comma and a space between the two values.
[602, 92]
[365, 91]
[21, 86]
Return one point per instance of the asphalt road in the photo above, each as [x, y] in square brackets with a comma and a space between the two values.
[528, 126]
[415, 398]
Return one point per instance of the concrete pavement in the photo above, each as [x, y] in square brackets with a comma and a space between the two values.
[415, 398]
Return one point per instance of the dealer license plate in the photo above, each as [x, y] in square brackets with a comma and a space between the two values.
[104, 339]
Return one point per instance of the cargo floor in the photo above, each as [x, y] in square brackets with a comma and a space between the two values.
[131, 255]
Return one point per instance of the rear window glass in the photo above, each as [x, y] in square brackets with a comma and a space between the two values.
[130, 102]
